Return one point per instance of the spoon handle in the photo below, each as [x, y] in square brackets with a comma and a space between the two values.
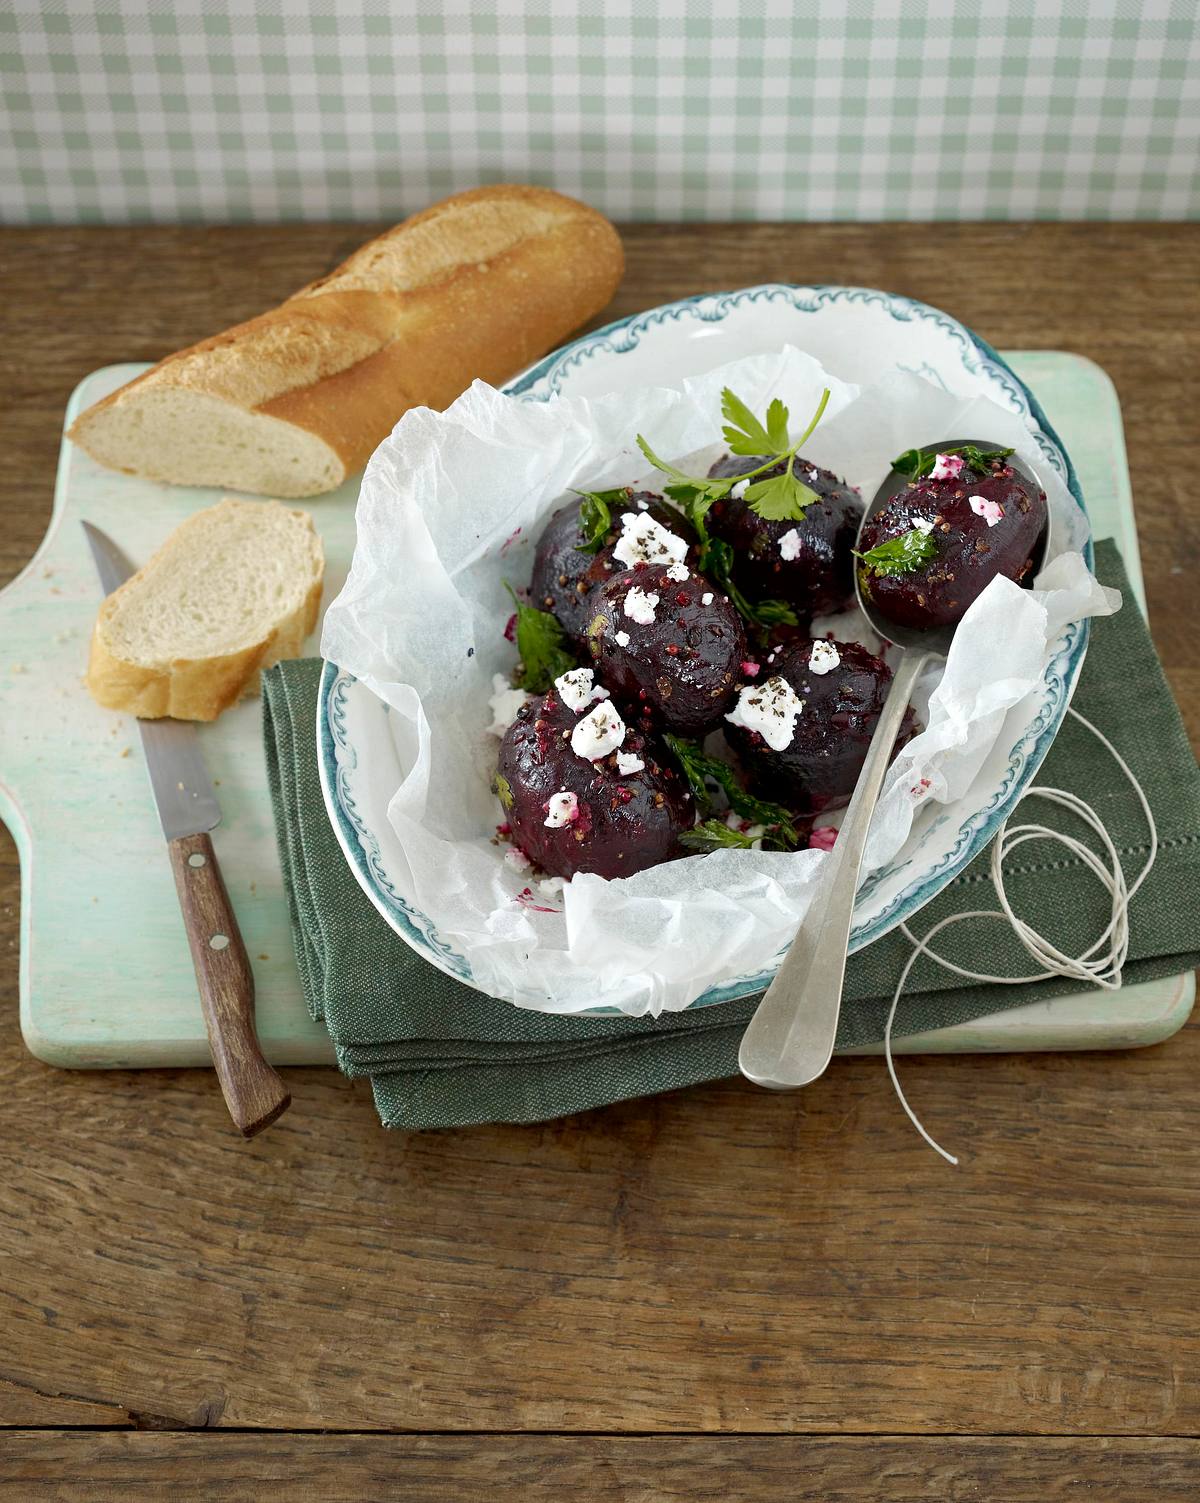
[789, 1041]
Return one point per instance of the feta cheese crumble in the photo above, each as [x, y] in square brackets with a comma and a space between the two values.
[517, 859]
[504, 703]
[561, 809]
[706, 599]
[739, 490]
[824, 657]
[598, 734]
[678, 572]
[577, 690]
[790, 544]
[946, 467]
[922, 524]
[629, 762]
[771, 709]
[640, 607]
[991, 511]
[550, 887]
[645, 541]
[621, 638]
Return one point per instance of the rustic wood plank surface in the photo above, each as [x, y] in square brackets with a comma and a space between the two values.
[74, 1468]
[718, 1260]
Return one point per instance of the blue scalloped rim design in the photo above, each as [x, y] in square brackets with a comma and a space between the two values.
[337, 758]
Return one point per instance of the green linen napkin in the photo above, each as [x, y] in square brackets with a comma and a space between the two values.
[440, 1054]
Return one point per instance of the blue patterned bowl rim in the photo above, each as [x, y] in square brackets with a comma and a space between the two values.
[620, 337]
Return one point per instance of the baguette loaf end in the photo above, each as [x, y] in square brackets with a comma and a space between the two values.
[292, 402]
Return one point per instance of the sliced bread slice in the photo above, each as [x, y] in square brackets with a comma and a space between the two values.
[233, 590]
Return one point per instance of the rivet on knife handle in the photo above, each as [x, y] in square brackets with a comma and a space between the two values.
[253, 1091]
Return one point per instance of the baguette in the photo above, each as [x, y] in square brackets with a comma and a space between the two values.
[233, 590]
[291, 403]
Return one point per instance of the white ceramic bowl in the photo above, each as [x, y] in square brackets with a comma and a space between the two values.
[860, 335]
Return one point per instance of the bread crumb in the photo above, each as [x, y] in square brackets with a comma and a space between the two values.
[124, 751]
[264, 957]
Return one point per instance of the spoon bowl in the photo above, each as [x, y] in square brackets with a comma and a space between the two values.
[789, 1041]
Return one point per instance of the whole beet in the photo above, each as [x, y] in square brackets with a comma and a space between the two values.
[820, 576]
[679, 670]
[565, 576]
[820, 767]
[623, 822]
[970, 551]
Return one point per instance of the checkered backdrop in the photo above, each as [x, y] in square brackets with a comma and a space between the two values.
[651, 109]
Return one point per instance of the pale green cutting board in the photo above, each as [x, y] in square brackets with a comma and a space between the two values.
[105, 975]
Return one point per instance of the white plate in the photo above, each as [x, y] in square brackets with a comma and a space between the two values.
[860, 335]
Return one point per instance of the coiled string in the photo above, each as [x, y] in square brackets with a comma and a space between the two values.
[1100, 964]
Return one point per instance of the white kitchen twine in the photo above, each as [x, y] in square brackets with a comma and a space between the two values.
[1101, 966]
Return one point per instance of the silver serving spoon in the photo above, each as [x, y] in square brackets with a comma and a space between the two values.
[789, 1040]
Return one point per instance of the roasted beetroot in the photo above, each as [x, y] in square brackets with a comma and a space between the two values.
[807, 563]
[969, 528]
[565, 575]
[670, 644]
[802, 730]
[613, 815]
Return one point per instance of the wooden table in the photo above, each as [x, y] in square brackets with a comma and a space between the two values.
[720, 1293]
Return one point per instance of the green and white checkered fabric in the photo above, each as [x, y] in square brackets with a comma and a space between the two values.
[115, 110]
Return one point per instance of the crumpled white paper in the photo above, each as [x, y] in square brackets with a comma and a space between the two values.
[450, 506]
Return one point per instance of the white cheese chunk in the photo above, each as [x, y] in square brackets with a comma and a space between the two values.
[640, 607]
[628, 763]
[598, 733]
[504, 703]
[824, 657]
[790, 544]
[562, 809]
[645, 541]
[771, 709]
[577, 690]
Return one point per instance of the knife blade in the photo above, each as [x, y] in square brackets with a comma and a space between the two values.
[183, 792]
[187, 810]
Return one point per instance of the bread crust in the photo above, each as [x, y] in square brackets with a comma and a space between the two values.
[476, 286]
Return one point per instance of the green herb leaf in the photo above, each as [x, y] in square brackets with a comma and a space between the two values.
[542, 645]
[744, 433]
[777, 425]
[503, 791]
[595, 516]
[715, 835]
[916, 463]
[903, 555]
[699, 769]
[781, 498]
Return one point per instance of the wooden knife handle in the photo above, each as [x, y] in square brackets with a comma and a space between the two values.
[253, 1092]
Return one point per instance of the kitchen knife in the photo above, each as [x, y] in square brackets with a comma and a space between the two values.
[188, 810]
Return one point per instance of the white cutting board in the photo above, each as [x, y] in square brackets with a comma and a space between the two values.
[106, 979]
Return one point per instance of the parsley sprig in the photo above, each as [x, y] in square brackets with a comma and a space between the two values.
[595, 515]
[903, 555]
[715, 835]
[542, 645]
[778, 498]
[917, 463]
[700, 770]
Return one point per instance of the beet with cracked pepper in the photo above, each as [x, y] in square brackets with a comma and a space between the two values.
[672, 647]
[614, 815]
[565, 576]
[980, 524]
[802, 733]
[807, 563]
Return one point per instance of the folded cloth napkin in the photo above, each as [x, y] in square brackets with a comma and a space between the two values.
[440, 1054]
